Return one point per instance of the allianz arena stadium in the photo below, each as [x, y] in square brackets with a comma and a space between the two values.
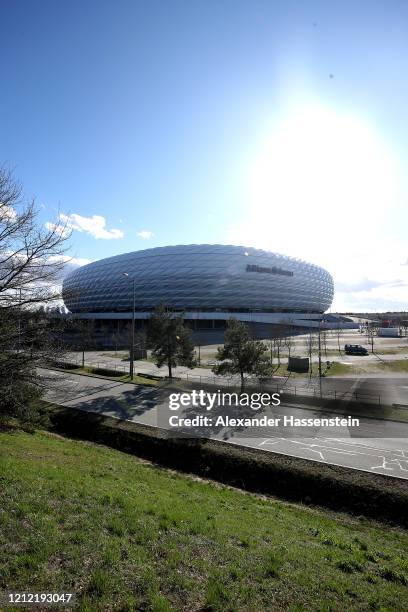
[207, 283]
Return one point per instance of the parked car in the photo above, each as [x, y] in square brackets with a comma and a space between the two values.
[355, 349]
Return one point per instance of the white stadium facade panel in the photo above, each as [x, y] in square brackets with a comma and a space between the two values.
[203, 281]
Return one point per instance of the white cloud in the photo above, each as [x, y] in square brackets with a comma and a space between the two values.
[79, 261]
[145, 234]
[61, 229]
[94, 226]
[71, 263]
[7, 213]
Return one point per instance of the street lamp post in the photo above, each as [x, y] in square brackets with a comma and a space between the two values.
[320, 361]
[131, 352]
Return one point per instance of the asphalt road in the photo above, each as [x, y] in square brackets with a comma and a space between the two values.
[376, 445]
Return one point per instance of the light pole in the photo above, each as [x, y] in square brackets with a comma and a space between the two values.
[320, 362]
[131, 352]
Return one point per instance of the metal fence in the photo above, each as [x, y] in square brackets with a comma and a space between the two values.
[118, 368]
[233, 382]
[272, 385]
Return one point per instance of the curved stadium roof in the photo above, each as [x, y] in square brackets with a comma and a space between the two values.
[199, 277]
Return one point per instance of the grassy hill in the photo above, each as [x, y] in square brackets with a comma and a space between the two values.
[124, 534]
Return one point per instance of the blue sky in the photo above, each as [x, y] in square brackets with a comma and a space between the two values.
[282, 125]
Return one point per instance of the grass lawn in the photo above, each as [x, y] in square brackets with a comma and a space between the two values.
[88, 371]
[370, 367]
[337, 369]
[397, 365]
[123, 534]
[118, 355]
[390, 351]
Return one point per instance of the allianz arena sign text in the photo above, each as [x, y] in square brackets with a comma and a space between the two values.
[273, 270]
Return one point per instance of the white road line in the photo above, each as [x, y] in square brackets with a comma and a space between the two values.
[383, 466]
[312, 447]
[269, 441]
[370, 447]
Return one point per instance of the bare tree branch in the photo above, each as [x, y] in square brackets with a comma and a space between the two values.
[32, 258]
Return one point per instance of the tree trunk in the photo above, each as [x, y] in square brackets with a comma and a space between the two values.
[242, 381]
[83, 358]
[170, 370]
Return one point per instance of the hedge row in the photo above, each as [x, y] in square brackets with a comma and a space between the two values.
[106, 372]
[65, 365]
[372, 495]
[149, 376]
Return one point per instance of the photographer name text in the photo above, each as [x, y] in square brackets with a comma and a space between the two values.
[264, 421]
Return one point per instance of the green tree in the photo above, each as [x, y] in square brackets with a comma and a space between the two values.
[17, 370]
[240, 354]
[170, 340]
[140, 348]
[28, 339]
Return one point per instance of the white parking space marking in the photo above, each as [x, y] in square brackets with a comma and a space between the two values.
[392, 461]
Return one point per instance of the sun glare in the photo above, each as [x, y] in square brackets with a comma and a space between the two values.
[316, 164]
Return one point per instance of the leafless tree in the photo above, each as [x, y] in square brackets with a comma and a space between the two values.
[289, 343]
[310, 345]
[278, 333]
[83, 336]
[277, 342]
[32, 257]
[371, 331]
[115, 338]
[323, 340]
[289, 336]
[140, 348]
[339, 334]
